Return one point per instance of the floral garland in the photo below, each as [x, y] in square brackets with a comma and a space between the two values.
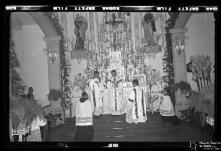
[168, 58]
[17, 85]
[65, 68]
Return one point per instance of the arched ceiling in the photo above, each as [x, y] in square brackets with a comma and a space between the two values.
[49, 30]
[42, 20]
[182, 20]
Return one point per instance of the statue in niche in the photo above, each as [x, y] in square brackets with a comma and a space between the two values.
[80, 29]
[149, 28]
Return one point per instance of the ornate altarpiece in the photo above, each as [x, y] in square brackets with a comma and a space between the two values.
[114, 40]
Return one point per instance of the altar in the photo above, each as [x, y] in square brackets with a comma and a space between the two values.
[111, 41]
[126, 92]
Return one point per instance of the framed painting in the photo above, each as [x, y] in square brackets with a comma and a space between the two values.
[141, 78]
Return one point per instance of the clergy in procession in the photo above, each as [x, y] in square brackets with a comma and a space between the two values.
[96, 89]
[115, 94]
[136, 110]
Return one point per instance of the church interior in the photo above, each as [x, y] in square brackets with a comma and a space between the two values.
[57, 53]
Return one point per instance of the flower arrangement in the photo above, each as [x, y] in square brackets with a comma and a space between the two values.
[80, 81]
[54, 95]
[185, 89]
[152, 77]
[201, 69]
[202, 103]
[56, 110]
[183, 86]
[23, 112]
[17, 85]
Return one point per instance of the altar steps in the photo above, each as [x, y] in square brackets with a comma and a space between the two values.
[108, 128]
[114, 128]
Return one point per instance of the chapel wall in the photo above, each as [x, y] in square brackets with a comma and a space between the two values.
[200, 40]
[33, 65]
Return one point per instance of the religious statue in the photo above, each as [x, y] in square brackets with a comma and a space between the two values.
[149, 27]
[80, 28]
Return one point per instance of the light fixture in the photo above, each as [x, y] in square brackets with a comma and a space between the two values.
[52, 55]
[179, 47]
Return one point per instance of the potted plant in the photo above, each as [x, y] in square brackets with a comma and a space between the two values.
[185, 89]
[23, 112]
[56, 110]
[204, 106]
[54, 95]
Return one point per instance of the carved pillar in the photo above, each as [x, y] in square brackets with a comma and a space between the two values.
[179, 63]
[54, 73]
[133, 31]
[95, 31]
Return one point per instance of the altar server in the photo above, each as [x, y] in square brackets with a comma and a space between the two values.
[96, 88]
[136, 105]
[166, 109]
[84, 119]
[115, 94]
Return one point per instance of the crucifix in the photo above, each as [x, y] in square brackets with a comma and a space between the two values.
[114, 23]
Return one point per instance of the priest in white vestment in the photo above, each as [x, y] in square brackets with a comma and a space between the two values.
[136, 110]
[106, 101]
[96, 89]
[115, 94]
